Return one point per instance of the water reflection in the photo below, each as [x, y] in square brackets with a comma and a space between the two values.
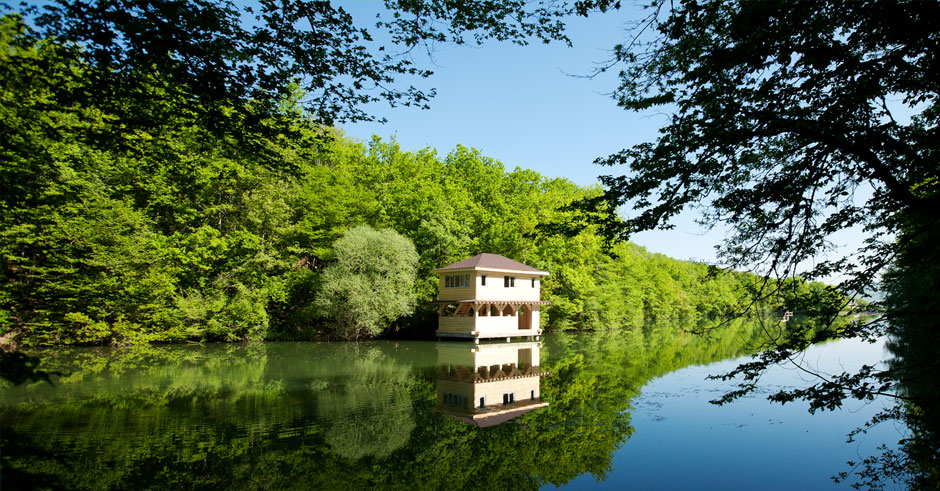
[345, 415]
[489, 383]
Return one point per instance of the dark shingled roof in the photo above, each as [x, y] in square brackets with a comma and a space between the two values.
[490, 261]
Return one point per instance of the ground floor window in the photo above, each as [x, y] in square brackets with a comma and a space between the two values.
[456, 281]
[455, 400]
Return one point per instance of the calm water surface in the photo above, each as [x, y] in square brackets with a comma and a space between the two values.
[625, 409]
[681, 441]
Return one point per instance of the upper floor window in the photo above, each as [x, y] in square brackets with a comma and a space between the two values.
[483, 279]
[509, 281]
[456, 281]
[533, 282]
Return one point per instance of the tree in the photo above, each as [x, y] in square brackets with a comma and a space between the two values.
[791, 121]
[152, 154]
[232, 62]
[783, 115]
[371, 283]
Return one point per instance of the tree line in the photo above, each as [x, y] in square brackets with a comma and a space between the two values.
[171, 232]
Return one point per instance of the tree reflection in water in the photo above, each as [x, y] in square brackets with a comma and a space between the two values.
[311, 415]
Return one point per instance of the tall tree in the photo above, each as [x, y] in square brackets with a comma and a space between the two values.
[791, 122]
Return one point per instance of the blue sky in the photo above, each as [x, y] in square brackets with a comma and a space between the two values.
[522, 106]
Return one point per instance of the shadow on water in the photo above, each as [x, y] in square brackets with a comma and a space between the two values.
[341, 415]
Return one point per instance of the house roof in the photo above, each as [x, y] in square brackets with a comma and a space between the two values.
[491, 262]
[496, 417]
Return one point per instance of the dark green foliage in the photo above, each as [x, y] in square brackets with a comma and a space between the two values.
[912, 305]
[786, 115]
[229, 64]
[791, 122]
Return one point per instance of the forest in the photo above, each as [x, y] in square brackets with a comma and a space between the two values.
[171, 173]
[168, 232]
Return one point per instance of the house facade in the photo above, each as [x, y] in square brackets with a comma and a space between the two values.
[489, 296]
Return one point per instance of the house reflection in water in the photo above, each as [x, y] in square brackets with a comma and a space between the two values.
[489, 383]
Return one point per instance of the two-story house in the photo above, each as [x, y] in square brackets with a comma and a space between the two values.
[489, 296]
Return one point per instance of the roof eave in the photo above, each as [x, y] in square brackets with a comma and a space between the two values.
[496, 270]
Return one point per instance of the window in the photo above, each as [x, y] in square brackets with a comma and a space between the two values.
[456, 281]
[482, 402]
[533, 282]
[509, 281]
[483, 279]
[509, 398]
[532, 395]
[455, 400]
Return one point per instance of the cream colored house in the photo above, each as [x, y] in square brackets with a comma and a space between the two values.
[487, 384]
[489, 296]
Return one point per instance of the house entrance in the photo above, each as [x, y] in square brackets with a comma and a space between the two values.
[525, 318]
[525, 359]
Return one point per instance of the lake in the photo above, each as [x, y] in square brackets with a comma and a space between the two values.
[618, 409]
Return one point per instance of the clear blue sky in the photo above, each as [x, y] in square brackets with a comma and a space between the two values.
[522, 106]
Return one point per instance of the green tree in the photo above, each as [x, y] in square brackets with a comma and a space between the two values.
[370, 284]
[790, 122]
[783, 114]
[230, 63]
[179, 231]
[165, 170]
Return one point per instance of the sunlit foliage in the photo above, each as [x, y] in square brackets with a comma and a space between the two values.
[174, 232]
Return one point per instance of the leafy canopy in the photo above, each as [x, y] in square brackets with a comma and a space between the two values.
[371, 283]
[790, 121]
[128, 230]
[232, 62]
